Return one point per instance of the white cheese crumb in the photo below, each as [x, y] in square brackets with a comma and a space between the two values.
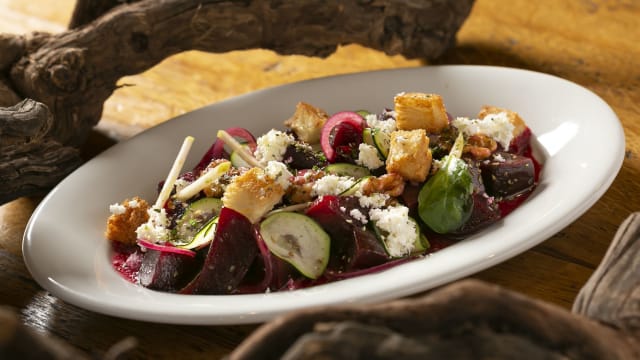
[133, 203]
[453, 167]
[496, 126]
[498, 158]
[117, 209]
[387, 126]
[181, 184]
[272, 146]
[368, 157]
[375, 200]
[399, 229]
[156, 228]
[279, 173]
[358, 215]
[331, 185]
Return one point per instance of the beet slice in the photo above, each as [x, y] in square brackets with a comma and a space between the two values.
[521, 143]
[267, 271]
[485, 207]
[166, 271]
[303, 157]
[508, 175]
[230, 255]
[352, 247]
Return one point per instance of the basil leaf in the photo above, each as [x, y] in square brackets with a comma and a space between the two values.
[445, 202]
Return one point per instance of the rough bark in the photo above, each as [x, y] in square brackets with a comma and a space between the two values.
[86, 11]
[30, 161]
[612, 294]
[473, 320]
[72, 74]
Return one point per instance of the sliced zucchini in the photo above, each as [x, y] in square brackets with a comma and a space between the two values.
[346, 169]
[298, 240]
[204, 236]
[382, 142]
[355, 187]
[194, 218]
[367, 136]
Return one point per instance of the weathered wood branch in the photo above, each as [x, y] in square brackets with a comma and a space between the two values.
[612, 294]
[473, 320]
[87, 11]
[30, 162]
[74, 72]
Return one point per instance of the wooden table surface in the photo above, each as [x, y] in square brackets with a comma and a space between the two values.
[595, 43]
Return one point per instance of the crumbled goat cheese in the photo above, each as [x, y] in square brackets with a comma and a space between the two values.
[156, 229]
[368, 157]
[358, 215]
[375, 200]
[331, 185]
[388, 126]
[400, 232]
[496, 126]
[181, 184]
[498, 158]
[279, 173]
[272, 146]
[133, 203]
[117, 209]
[454, 166]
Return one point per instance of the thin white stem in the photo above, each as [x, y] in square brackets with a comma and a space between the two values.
[174, 172]
[237, 147]
[203, 181]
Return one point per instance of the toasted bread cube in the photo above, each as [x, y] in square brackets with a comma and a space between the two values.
[253, 194]
[125, 219]
[519, 125]
[420, 111]
[307, 122]
[409, 154]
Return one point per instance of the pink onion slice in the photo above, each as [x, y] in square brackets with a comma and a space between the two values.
[349, 119]
[165, 248]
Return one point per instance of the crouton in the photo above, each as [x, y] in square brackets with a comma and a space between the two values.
[253, 194]
[125, 219]
[307, 122]
[519, 125]
[420, 111]
[409, 154]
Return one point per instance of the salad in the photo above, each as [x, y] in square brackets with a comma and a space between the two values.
[324, 198]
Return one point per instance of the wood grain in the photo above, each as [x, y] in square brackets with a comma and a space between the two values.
[591, 42]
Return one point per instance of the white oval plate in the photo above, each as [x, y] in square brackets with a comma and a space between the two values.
[65, 250]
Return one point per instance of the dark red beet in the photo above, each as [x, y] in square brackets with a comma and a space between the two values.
[267, 271]
[230, 255]
[511, 176]
[485, 208]
[302, 157]
[521, 143]
[126, 260]
[351, 246]
[166, 271]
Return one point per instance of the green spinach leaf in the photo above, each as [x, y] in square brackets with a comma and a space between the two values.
[445, 200]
